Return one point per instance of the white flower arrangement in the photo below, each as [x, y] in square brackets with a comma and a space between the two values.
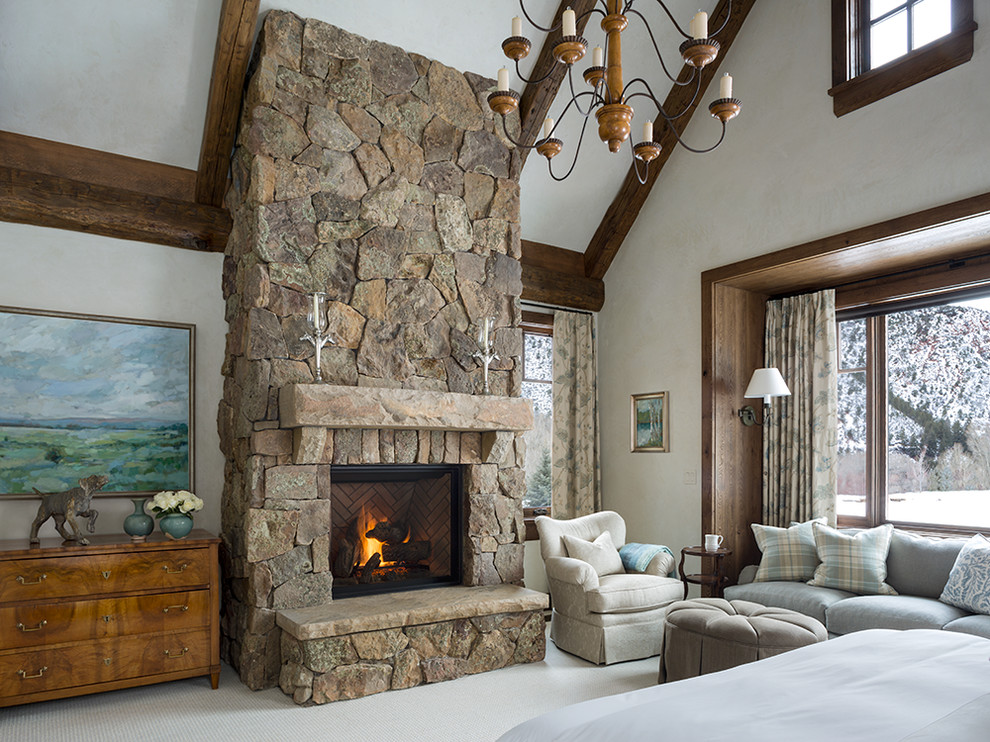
[180, 502]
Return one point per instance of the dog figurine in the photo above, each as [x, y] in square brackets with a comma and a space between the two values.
[64, 507]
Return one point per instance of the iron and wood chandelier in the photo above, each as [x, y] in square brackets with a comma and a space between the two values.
[609, 99]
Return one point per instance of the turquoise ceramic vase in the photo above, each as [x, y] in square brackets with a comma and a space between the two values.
[176, 525]
[139, 524]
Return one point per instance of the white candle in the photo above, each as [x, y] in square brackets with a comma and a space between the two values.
[570, 23]
[597, 57]
[699, 25]
[547, 127]
[725, 86]
[517, 26]
[647, 131]
[503, 79]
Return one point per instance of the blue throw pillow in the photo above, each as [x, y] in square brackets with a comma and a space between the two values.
[969, 581]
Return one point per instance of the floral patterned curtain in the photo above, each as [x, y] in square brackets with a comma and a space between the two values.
[799, 444]
[576, 475]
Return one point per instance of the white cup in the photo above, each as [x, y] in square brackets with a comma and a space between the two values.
[712, 541]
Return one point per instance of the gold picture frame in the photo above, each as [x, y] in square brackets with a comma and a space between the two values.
[650, 430]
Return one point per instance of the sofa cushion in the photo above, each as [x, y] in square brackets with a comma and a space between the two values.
[920, 566]
[633, 592]
[969, 581]
[788, 553]
[795, 596]
[601, 553]
[888, 612]
[855, 563]
[973, 624]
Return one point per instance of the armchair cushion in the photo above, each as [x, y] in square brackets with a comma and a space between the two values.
[631, 593]
[601, 553]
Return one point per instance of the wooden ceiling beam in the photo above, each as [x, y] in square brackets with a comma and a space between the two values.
[95, 166]
[622, 212]
[47, 200]
[555, 276]
[534, 104]
[235, 37]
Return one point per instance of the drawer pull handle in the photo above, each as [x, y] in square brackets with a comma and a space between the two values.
[169, 570]
[21, 580]
[25, 676]
[168, 608]
[107, 661]
[106, 575]
[40, 626]
[107, 619]
[177, 654]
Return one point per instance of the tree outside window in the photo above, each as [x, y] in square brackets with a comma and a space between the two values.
[914, 417]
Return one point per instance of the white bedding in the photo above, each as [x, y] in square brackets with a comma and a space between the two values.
[880, 685]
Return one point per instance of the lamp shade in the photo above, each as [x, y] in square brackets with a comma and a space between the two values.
[767, 383]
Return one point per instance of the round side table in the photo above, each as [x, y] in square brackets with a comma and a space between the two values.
[716, 578]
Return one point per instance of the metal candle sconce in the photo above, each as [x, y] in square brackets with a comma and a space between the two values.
[486, 344]
[319, 337]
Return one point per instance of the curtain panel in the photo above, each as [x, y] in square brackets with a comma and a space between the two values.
[799, 444]
[575, 471]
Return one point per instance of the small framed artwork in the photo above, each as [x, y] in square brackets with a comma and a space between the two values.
[650, 432]
[83, 395]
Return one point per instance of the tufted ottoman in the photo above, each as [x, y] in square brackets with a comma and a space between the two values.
[712, 634]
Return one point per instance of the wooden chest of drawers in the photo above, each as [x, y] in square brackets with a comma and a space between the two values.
[113, 614]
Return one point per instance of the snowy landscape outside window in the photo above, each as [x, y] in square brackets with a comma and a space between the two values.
[537, 386]
[914, 417]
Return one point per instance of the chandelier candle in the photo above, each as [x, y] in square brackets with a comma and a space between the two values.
[725, 86]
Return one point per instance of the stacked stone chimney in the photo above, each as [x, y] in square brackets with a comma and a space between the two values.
[381, 178]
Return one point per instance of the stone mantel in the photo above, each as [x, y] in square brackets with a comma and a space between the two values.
[330, 406]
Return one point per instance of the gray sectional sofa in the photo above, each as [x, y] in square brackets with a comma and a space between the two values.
[917, 568]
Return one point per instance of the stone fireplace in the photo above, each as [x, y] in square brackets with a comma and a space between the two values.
[378, 177]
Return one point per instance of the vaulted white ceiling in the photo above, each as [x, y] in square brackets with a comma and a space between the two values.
[133, 77]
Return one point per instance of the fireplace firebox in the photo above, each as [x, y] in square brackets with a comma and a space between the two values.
[395, 527]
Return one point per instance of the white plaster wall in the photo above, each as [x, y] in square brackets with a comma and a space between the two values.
[788, 172]
[74, 272]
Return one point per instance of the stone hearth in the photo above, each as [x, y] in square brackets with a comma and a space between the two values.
[380, 178]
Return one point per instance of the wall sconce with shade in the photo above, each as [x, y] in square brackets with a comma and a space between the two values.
[766, 383]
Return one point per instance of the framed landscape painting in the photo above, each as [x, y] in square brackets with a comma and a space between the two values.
[82, 395]
[650, 432]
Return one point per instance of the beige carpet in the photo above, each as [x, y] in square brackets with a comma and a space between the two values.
[478, 708]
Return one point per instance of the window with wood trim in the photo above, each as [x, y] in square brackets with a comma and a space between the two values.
[880, 47]
[914, 414]
[537, 385]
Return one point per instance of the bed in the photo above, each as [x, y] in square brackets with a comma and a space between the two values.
[878, 685]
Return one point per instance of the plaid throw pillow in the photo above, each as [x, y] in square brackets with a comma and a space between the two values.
[854, 563]
[788, 553]
[968, 586]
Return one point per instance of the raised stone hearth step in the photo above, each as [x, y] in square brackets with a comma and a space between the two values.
[411, 608]
[330, 406]
[360, 646]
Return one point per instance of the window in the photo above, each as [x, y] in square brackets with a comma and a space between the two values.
[537, 386]
[882, 46]
[914, 417]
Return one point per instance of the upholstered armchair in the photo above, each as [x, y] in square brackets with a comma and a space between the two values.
[603, 612]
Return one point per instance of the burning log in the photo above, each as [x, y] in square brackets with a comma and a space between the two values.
[411, 551]
[347, 552]
[389, 533]
[368, 570]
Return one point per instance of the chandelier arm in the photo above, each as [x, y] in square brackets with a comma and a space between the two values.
[650, 96]
[577, 152]
[728, 15]
[656, 48]
[692, 149]
[522, 5]
[522, 145]
[673, 20]
[574, 95]
[535, 81]
[635, 161]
